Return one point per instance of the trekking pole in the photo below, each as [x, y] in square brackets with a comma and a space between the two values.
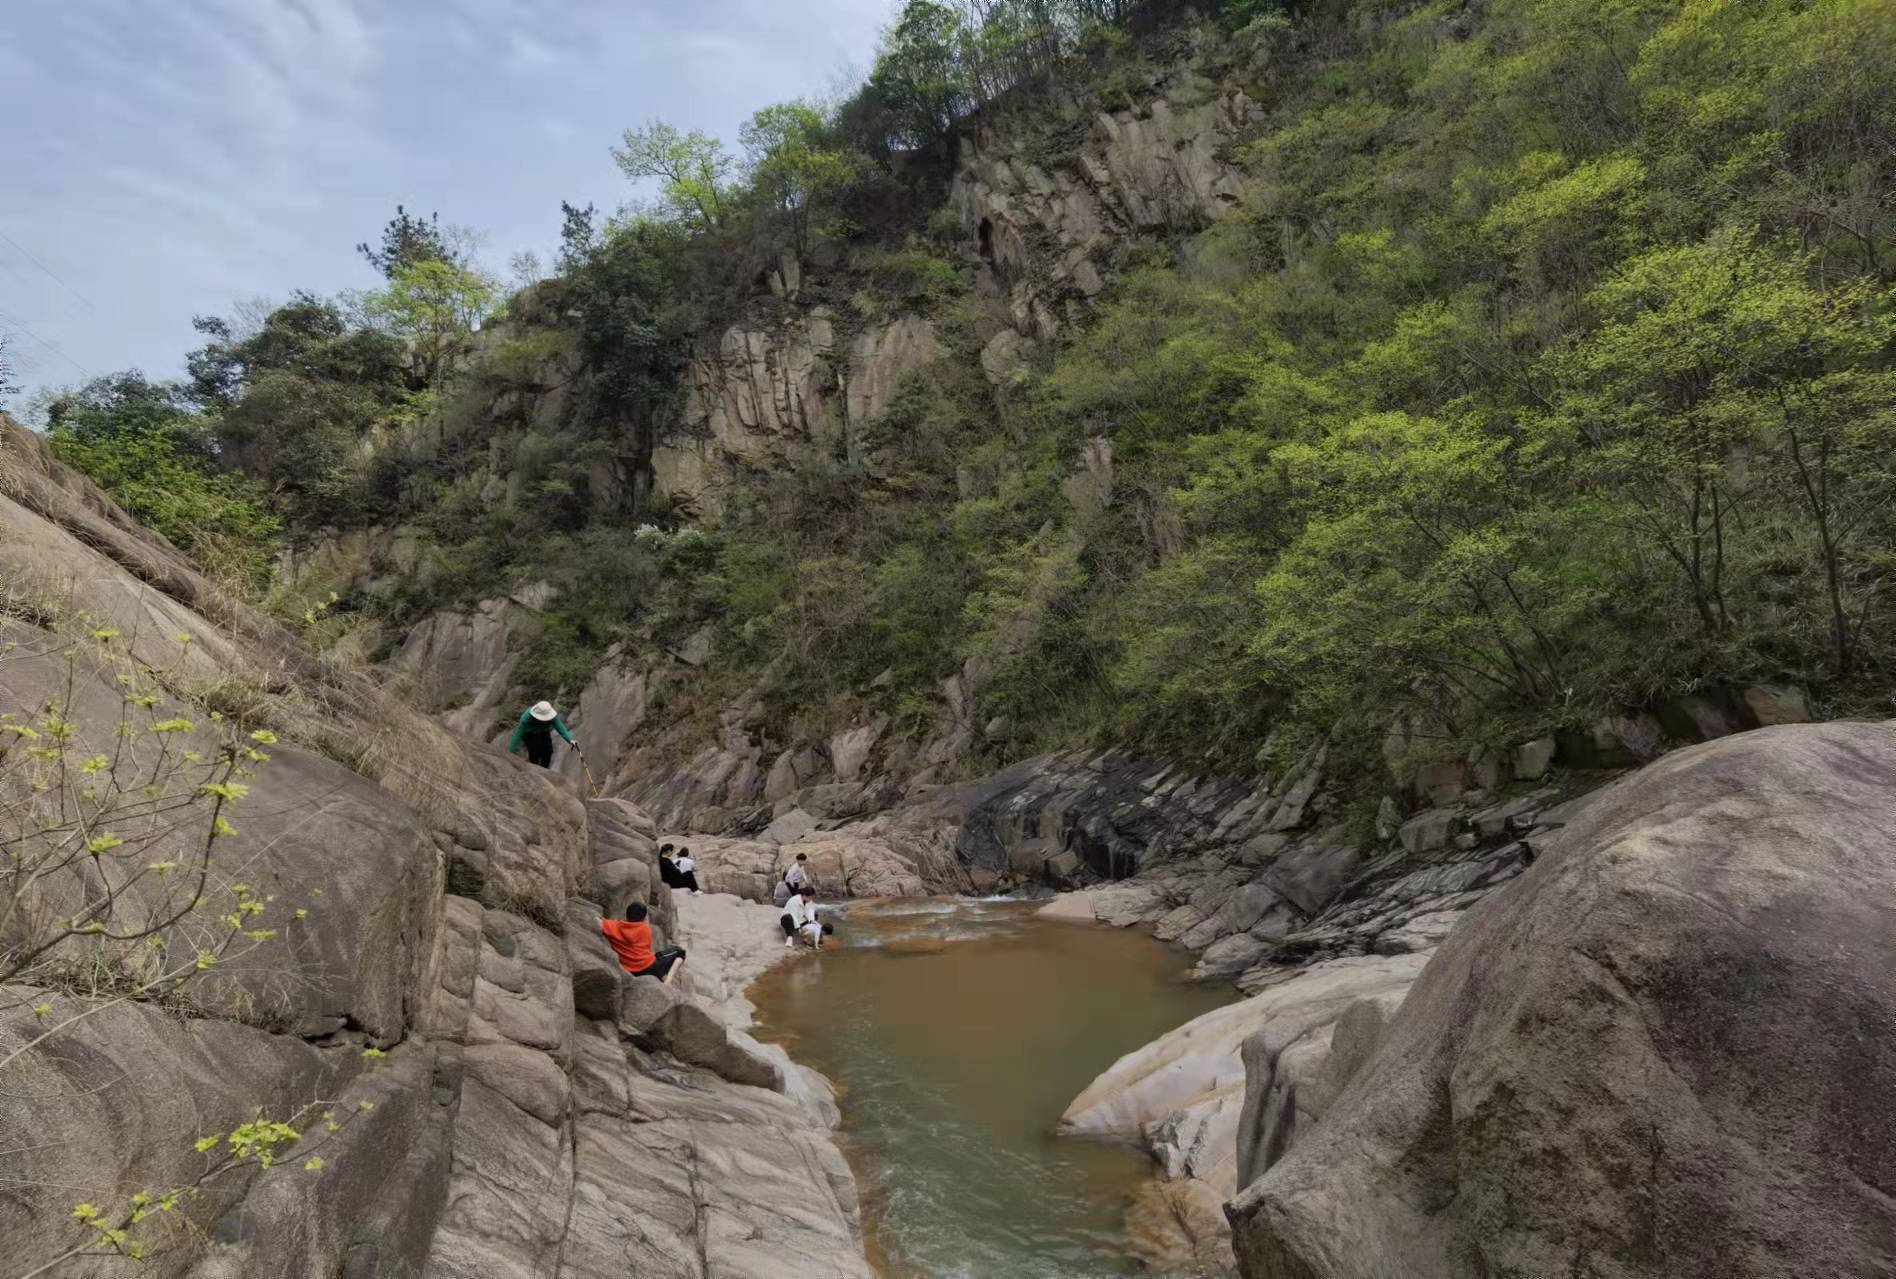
[592, 788]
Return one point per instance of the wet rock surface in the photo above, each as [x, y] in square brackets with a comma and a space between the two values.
[1207, 1098]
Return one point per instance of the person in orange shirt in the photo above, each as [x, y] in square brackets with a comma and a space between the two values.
[631, 940]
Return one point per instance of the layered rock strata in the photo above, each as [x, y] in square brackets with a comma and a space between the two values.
[507, 1102]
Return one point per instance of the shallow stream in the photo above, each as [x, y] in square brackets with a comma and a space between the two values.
[957, 1031]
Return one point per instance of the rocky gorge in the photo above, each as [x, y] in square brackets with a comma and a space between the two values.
[1388, 499]
[523, 1093]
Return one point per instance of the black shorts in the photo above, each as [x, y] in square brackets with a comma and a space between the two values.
[539, 749]
[662, 962]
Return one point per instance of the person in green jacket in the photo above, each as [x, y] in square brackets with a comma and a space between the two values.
[537, 725]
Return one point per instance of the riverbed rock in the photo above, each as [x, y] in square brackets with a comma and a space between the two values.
[1229, 956]
[843, 864]
[1532, 759]
[645, 1002]
[1426, 832]
[1077, 907]
[1184, 1097]
[1646, 1056]
[789, 827]
[693, 1033]
[729, 943]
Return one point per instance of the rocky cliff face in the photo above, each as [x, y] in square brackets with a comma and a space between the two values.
[1047, 200]
[1048, 194]
[522, 1109]
[787, 387]
[1053, 201]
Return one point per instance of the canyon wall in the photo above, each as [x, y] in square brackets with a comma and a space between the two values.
[504, 1100]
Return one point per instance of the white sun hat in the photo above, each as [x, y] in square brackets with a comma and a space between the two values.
[543, 711]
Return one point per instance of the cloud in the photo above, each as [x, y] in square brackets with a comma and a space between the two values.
[186, 156]
[526, 53]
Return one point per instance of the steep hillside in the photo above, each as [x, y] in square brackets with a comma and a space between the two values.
[1485, 371]
[379, 1034]
[1393, 401]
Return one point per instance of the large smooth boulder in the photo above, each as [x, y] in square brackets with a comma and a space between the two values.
[693, 1033]
[1184, 1096]
[843, 863]
[422, 898]
[687, 1177]
[597, 973]
[116, 1104]
[1662, 1051]
[344, 865]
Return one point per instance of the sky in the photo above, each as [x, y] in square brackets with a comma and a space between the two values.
[171, 158]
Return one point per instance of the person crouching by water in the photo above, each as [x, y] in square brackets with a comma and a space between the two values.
[631, 940]
[799, 918]
[537, 725]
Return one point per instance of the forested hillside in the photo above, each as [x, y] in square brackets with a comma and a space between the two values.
[1517, 364]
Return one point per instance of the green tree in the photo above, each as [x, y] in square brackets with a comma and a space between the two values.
[433, 306]
[407, 241]
[918, 78]
[794, 172]
[142, 444]
[692, 169]
[1416, 569]
[308, 336]
[1722, 378]
[214, 370]
[632, 332]
[578, 236]
[292, 403]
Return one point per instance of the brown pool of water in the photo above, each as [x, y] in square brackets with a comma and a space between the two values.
[957, 1032]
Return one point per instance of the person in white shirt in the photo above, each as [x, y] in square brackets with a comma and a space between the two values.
[795, 876]
[687, 870]
[799, 917]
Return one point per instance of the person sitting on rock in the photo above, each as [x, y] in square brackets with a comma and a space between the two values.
[537, 725]
[796, 875]
[687, 871]
[667, 868]
[799, 918]
[631, 940]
